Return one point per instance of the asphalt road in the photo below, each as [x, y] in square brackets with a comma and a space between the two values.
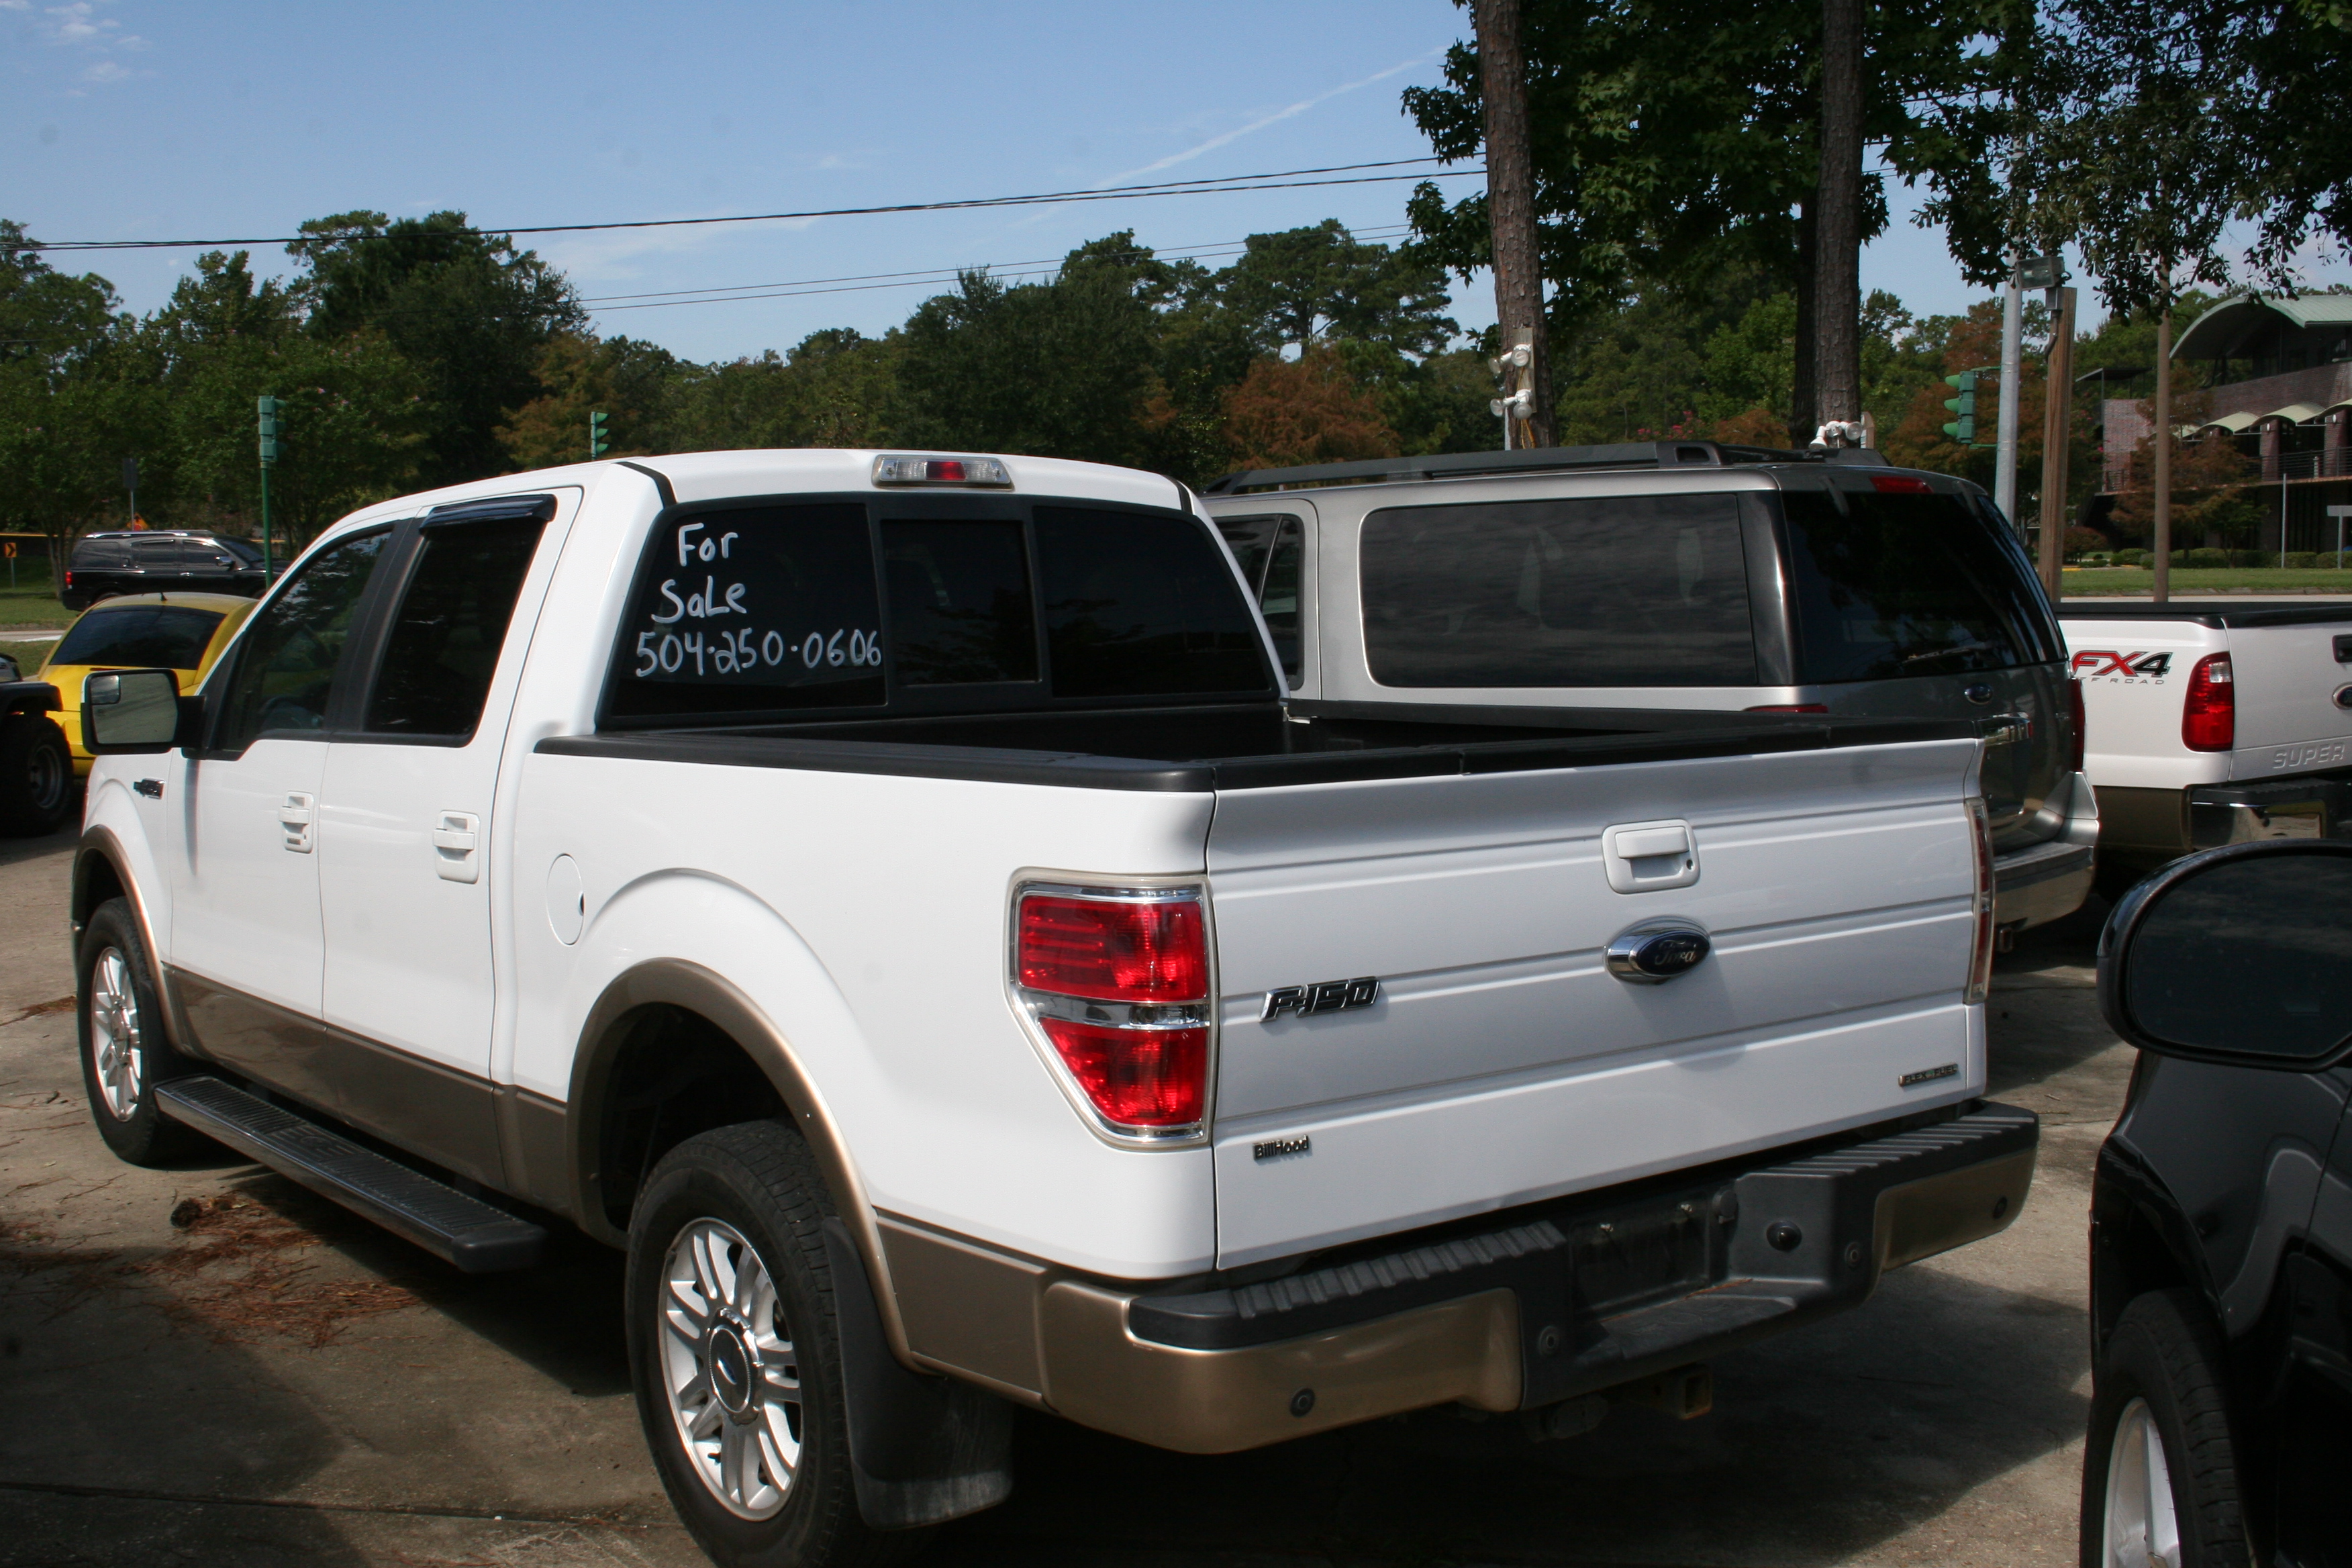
[276, 1382]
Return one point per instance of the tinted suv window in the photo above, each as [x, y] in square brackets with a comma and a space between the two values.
[288, 656]
[171, 636]
[156, 554]
[452, 622]
[1902, 584]
[102, 554]
[1615, 590]
[1270, 553]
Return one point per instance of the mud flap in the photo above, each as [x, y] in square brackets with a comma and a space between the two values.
[923, 1449]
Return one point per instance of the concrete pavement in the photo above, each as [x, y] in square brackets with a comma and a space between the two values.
[271, 1381]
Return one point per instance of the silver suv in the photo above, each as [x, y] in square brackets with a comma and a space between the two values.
[1683, 575]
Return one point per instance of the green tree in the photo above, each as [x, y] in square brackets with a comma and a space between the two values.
[1063, 368]
[1675, 143]
[73, 401]
[469, 310]
[835, 388]
[628, 380]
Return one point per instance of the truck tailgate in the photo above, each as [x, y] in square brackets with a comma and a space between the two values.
[1499, 1061]
[2287, 678]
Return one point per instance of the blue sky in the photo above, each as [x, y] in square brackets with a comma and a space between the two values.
[126, 120]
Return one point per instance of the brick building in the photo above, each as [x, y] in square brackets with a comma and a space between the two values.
[2281, 391]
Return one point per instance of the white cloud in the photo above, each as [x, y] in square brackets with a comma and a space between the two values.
[1301, 107]
[78, 25]
[105, 72]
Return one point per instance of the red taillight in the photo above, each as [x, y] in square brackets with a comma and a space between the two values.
[1114, 951]
[1137, 1078]
[1900, 485]
[1980, 954]
[1118, 983]
[2076, 718]
[68, 576]
[2209, 719]
[1790, 708]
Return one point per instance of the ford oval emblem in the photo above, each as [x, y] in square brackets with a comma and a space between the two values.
[1656, 952]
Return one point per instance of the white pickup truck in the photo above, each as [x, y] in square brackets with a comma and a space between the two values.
[891, 895]
[2212, 721]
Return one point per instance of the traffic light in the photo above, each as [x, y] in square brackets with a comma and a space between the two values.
[269, 407]
[599, 438]
[1964, 428]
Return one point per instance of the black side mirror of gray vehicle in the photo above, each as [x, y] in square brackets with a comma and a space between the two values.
[137, 712]
[2240, 955]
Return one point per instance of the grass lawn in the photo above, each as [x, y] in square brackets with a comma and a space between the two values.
[27, 654]
[32, 602]
[2255, 580]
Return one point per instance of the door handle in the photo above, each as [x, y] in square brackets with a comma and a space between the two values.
[295, 816]
[454, 841]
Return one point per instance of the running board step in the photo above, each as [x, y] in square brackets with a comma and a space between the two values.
[462, 1230]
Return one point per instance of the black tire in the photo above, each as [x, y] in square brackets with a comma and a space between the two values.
[758, 1183]
[2163, 1366]
[37, 776]
[124, 1052]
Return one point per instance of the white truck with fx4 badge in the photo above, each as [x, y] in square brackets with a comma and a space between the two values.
[895, 897]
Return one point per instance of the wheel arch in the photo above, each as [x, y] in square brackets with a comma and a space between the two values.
[2140, 1241]
[703, 995]
[103, 868]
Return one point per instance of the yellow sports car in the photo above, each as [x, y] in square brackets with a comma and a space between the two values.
[181, 632]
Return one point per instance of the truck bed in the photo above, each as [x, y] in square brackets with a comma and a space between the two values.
[1252, 745]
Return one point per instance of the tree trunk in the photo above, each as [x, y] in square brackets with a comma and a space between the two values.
[1837, 266]
[1511, 211]
[1804, 400]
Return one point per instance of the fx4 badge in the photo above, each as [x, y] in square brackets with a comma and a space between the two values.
[1323, 996]
[2100, 663]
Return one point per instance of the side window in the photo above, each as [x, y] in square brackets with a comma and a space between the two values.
[452, 623]
[1610, 591]
[155, 554]
[287, 661]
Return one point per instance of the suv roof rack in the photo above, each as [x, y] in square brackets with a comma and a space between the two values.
[1534, 459]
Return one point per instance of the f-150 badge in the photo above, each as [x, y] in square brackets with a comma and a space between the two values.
[1323, 996]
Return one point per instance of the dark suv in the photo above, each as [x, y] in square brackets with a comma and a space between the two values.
[2221, 1219]
[157, 561]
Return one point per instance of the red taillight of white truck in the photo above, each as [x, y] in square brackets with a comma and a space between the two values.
[2209, 716]
[1981, 954]
[1116, 981]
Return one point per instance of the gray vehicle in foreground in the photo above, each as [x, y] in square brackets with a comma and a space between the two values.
[1683, 575]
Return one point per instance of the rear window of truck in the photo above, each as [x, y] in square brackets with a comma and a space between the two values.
[169, 636]
[1896, 584]
[1598, 590]
[745, 611]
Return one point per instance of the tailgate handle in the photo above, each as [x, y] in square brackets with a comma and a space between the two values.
[2344, 647]
[1642, 857]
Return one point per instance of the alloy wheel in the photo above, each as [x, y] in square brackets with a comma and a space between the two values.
[47, 777]
[731, 1369]
[117, 1038]
[2141, 1529]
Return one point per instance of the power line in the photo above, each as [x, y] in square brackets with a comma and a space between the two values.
[1281, 180]
[922, 278]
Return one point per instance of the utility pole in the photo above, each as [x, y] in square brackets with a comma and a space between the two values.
[1511, 219]
[1837, 255]
[2004, 458]
[268, 407]
[131, 483]
[2057, 436]
[2162, 477]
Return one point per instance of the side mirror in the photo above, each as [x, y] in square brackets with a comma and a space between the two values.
[2240, 955]
[137, 712]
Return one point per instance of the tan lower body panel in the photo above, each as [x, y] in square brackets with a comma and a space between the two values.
[1936, 1214]
[1218, 1402]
